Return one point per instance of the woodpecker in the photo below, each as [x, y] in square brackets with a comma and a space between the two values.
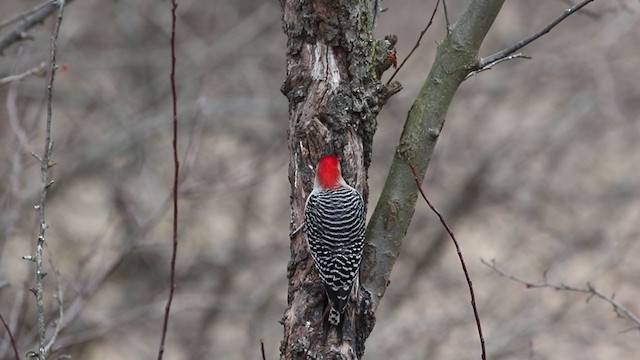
[334, 223]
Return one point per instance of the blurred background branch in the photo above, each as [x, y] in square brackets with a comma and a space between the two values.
[590, 290]
[26, 20]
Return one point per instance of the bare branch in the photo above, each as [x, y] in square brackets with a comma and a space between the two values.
[176, 163]
[591, 290]
[88, 290]
[39, 70]
[588, 13]
[464, 266]
[30, 18]
[45, 165]
[417, 44]
[491, 60]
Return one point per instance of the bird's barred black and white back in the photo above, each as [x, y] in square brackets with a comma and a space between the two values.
[335, 228]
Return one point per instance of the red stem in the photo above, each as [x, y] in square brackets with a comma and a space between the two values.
[464, 266]
[417, 44]
[176, 174]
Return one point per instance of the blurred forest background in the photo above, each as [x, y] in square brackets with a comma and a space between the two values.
[537, 168]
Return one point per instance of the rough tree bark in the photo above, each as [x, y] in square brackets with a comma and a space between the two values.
[333, 86]
[334, 91]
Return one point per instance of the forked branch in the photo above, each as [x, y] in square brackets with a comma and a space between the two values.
[489, 61]
[386, 230]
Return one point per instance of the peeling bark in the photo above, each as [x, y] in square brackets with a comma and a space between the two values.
[333, 86]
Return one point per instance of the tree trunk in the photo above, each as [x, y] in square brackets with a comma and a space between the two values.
[334, 91]
[333, 86]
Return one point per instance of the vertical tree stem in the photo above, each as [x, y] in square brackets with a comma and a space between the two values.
[45, 165]
[176, 174]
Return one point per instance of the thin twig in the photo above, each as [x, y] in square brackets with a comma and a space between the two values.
[13, 340]
[39, 70]
[176, 173]
[446, 15]
[464, 266]
[264, 356]
[519, 45]
[591, 290]
[588, 13]
[491, 65]
[45, 165]
[433, 14]
[60, 300]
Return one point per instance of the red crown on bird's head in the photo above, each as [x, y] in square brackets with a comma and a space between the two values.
[328, 173]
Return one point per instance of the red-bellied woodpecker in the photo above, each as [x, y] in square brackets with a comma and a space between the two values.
[334, 221]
